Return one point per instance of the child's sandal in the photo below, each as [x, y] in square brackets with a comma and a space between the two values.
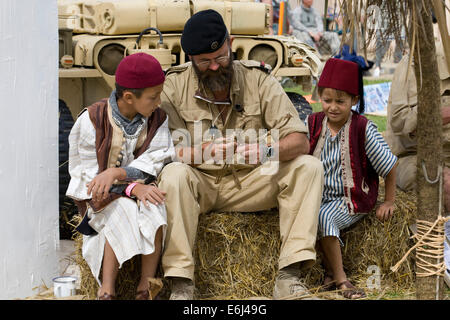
[350, 291]
[142, 295]
[106, 296]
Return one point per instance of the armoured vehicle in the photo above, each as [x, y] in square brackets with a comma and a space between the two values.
[94, 36]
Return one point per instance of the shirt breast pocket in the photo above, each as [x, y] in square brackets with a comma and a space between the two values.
[198, 123]
[250, 117]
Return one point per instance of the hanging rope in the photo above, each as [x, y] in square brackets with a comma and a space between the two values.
[430, 239]
[433, 248]
[430, 244]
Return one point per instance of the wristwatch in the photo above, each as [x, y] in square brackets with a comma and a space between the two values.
[269, 152]
[266, 154]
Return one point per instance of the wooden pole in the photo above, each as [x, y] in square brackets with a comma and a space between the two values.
[429, 137]
[281, 19]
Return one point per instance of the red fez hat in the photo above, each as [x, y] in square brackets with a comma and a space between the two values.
[139, 70]
[341, 75]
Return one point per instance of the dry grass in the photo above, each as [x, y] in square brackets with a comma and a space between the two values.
[237, 257]
[45, 293]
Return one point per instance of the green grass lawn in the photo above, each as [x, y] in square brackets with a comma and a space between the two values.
[380, 121]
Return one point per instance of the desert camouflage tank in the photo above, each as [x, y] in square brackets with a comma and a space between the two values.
[95, 35]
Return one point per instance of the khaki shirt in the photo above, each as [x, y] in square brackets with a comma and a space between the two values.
[262, 99]
[402, 108]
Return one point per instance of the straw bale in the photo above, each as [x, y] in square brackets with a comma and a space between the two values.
[382, 244]
[236, 255]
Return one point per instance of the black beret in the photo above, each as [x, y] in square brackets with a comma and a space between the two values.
[204, 32]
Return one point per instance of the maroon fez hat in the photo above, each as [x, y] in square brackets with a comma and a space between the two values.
[341, 75]
[139, 70]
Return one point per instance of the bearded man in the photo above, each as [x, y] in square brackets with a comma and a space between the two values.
[241, 147]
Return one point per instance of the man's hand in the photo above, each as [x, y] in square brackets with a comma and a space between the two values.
[316, 36]
[220, 149]
[384, 211]
[250, 152]
[149, 192]
[99, 187]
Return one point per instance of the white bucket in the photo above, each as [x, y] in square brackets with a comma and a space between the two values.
[64, 286]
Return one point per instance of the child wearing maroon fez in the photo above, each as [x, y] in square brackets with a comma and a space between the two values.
[118, 147]
[354, 155]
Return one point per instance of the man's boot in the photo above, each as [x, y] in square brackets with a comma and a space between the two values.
[182, 289]
[289, 284]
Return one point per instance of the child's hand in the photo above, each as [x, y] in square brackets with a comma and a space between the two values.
[150, 193]
[384, 211]
[100, 185]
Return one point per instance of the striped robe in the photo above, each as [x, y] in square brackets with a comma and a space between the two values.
[334, 214]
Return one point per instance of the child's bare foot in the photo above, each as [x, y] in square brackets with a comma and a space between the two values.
[103, 294]
[148, 290]
[349, 291]
[142, 290]
[143, 285]
[328, 283]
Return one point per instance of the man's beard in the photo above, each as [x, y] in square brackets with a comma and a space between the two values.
[218, 80]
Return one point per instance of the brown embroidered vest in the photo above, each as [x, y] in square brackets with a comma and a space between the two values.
[359, 177]
[109, 138]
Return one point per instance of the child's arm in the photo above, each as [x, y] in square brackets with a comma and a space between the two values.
[386, 209]
[99, 187]
[160, 152]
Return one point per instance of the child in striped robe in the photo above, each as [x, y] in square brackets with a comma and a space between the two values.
[354, 155]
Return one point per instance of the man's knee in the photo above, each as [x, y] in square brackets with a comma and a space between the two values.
[406, 183]
[406, 173]
[309, 164]
[303, 37]
[174, 173]
[307, 167]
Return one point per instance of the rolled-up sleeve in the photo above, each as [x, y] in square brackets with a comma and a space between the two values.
[403, 98]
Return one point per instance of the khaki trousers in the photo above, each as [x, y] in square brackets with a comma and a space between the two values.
[406, 173]
[295, 188]
[406, 176]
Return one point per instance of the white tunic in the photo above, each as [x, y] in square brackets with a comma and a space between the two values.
[130, 229]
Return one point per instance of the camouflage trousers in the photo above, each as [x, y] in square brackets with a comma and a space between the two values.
[327, 45]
